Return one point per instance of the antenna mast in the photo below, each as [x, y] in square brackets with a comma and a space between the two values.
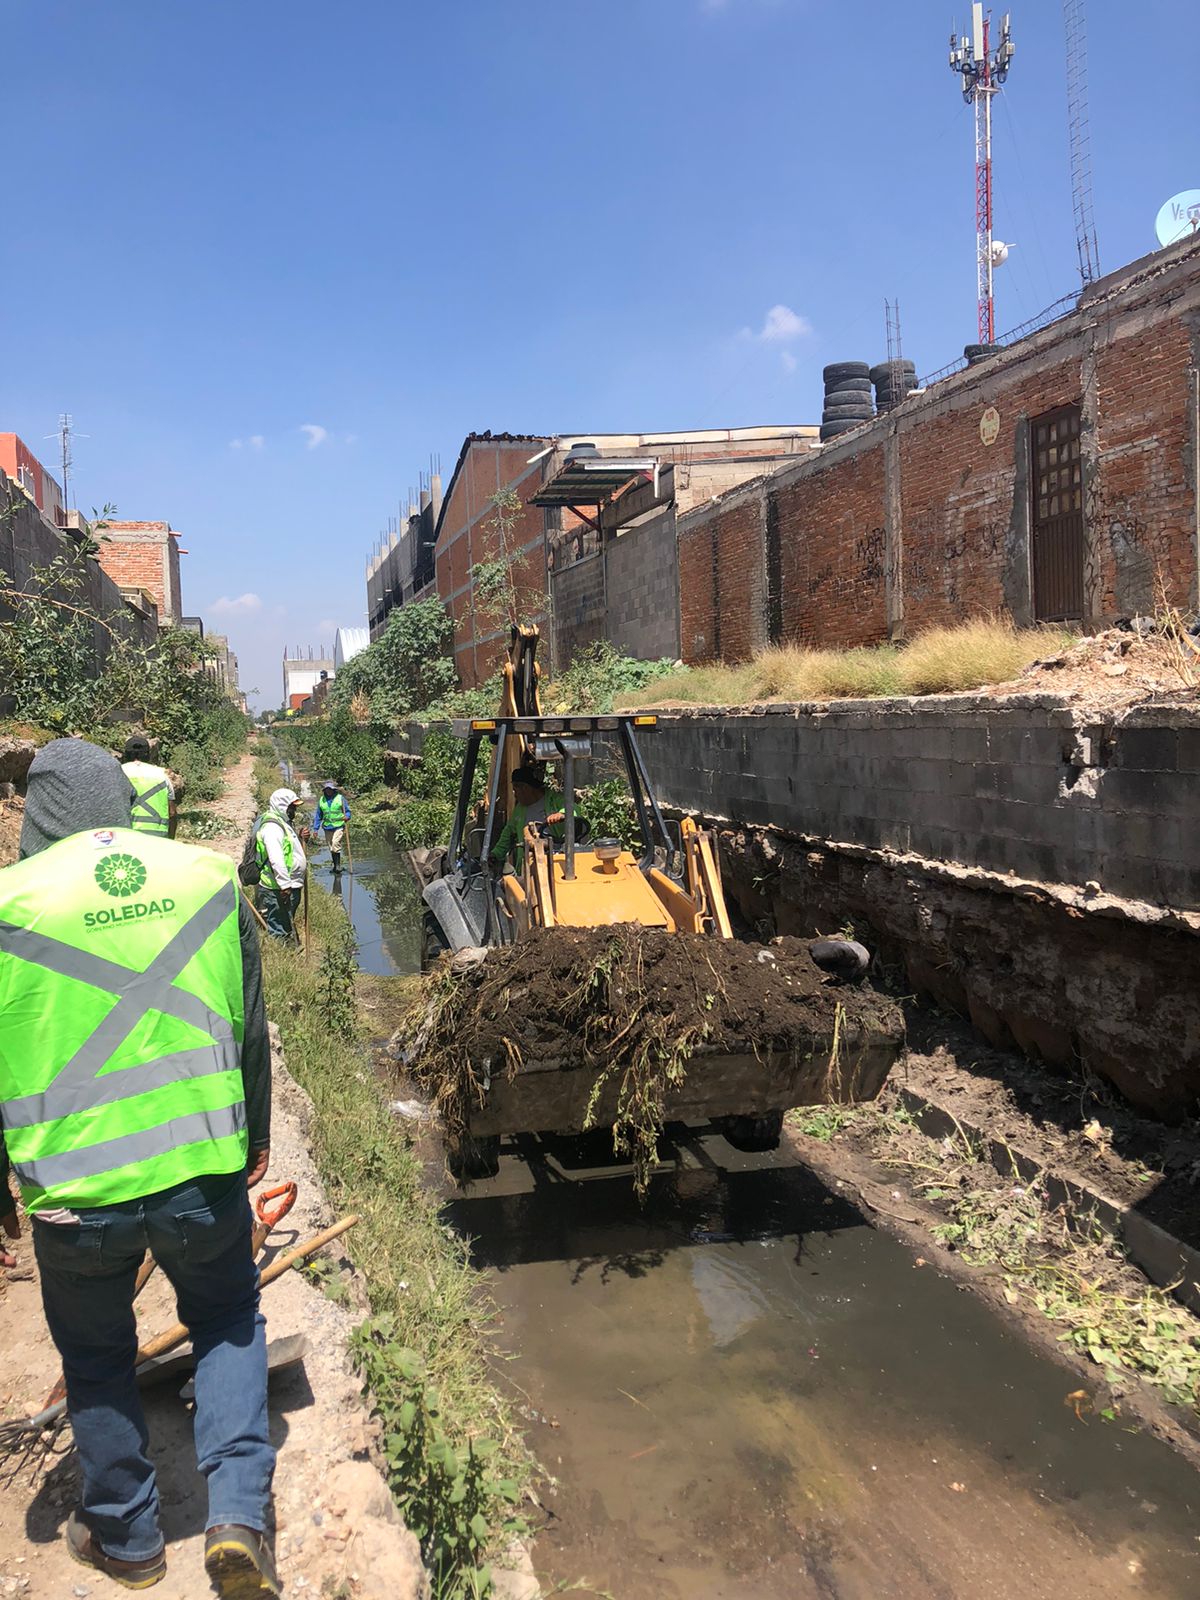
[1075, 26]
[983, 70]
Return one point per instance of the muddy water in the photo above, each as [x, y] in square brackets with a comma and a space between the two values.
[744, 1390]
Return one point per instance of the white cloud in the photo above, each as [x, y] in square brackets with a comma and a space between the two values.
[255, 442]
[235, 444]
[788, 360]
[246, 605]
[782, 325]
[317, 435]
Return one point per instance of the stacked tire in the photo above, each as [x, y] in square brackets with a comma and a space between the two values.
[848, 402]
[980, 352]
[893, 380]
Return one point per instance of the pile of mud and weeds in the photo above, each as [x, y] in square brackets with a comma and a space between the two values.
[637, 1010]
[1115, 669]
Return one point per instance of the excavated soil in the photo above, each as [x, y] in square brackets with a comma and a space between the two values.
[1111, 671]
[644, 983]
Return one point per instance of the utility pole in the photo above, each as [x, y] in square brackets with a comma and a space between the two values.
[983, 70]
[64, 436]
[1080, 140]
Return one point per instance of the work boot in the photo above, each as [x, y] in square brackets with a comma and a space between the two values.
[82, 1547]
[239, 1563]
[337, 860]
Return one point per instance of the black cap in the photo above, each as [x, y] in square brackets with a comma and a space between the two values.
[137, 748]
[535, 777]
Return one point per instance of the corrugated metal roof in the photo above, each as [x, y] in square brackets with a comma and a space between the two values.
[348, 643]
[592, 480]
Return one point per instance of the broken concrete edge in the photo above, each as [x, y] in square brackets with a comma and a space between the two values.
[1074, 708]
[1074, 900]
[1165, 1260]
[855, 1175]
[16, 757]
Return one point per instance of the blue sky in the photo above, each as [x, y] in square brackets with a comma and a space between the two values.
[272, 256]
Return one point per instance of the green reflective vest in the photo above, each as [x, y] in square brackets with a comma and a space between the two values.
[151, 797]
[121, 1015]
[332, 812]
[289, 848]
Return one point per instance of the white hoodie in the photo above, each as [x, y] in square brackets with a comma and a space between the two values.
[272, 833]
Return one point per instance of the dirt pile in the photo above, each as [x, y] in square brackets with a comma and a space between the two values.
[635, 1009]
[1117, 668]
[566, 993]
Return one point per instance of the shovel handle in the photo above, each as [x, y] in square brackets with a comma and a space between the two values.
[176, 1335]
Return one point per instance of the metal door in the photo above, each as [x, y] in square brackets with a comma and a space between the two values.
[1057, 516]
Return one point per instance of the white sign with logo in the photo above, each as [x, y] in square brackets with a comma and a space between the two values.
[1179, 218]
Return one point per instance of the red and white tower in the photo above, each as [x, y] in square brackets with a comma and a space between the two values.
[983, 69]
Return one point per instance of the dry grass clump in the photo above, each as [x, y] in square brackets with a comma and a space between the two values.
[982, 651]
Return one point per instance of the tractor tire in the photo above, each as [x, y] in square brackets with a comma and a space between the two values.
[980, 352]
[753, 1133]
[839, 371]
[474, 1159]
[433, 940]
[830, 430]
[883, 372]
[848, 386]
[854, 413]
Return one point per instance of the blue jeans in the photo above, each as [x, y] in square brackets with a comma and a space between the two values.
[279, 907]
[199, 1233]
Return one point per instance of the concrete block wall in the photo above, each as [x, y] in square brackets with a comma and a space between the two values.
[578, 593]
[642, 611]
[1030, 786]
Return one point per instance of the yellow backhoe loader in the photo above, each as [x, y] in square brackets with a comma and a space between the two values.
[670, 880]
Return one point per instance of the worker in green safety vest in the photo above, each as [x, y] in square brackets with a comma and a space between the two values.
[331, 816]
[135, 1102]
[282, 864]
[153, 792]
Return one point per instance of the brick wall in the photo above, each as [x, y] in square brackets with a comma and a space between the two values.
[917, 519]
[145, 555]
[28, 541]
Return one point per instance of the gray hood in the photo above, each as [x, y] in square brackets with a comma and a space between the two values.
[73, 786]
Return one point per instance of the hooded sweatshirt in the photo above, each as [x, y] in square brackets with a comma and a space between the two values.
[74, 786]
[273, 829]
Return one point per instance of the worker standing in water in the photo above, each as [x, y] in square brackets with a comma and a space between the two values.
[330, 817]
[135, 1109]
[282, 864]
[153, 792]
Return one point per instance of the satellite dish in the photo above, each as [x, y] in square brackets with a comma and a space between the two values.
[1179, 218]
[1000, 252]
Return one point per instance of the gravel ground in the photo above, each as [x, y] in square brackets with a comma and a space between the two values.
[337, 1529]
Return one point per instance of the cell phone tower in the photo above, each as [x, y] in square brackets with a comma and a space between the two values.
[983, 69]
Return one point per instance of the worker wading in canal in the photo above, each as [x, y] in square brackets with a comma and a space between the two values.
[153, 808]
[331, 816]
[135, 1105]
[281, 862]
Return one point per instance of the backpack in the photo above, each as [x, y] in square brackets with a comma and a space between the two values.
[249, 868]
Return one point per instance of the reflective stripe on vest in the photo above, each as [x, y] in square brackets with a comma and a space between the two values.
[119, 1077]
[264, 860]
[331, 817]
[150, 812]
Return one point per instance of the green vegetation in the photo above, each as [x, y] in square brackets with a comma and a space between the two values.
[455, 1461]
[405, 670]
[986, 650]
[599, 676]
[49, 646]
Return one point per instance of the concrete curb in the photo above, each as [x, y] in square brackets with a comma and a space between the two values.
[1165, 1260]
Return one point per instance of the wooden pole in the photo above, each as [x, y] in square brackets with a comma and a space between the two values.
[258, 916]
[176, 1335]
[349, 854]
[306, 915]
